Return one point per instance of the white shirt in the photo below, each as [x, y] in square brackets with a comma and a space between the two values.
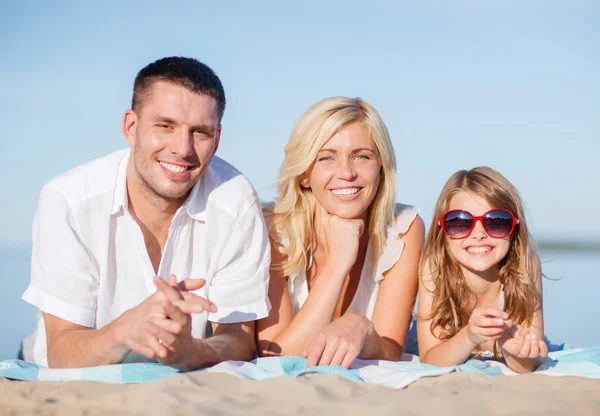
[89, 259]
[372, 272]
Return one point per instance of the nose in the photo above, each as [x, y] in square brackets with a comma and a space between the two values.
[182, 144]
[478, 232]
[346, 170]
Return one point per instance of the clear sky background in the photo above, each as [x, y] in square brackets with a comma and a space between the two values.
[514, 85]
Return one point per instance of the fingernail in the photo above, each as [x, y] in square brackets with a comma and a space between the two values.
[198, 308]
[532, 336]
[213, 308]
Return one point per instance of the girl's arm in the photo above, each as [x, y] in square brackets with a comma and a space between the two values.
[484, 324]
[531, 346]
[431, 349]
[395, 300]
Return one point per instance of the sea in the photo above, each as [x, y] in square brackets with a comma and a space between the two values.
[571, 297]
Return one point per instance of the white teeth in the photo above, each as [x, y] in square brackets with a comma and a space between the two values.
[345, 191]
[483, 249]
[173, 168]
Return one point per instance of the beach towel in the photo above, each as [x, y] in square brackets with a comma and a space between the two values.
[583, 362]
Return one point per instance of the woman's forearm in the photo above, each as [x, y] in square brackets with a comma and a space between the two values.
[378, 348]
[314, 315]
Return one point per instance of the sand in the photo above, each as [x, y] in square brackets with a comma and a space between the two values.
[315, 394]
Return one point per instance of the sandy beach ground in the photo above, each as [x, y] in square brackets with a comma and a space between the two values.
[316, 394]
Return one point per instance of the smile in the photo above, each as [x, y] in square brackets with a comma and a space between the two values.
[174, 168]
[346, 191]
[482, 249]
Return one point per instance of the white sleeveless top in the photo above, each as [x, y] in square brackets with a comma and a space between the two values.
[364, 299]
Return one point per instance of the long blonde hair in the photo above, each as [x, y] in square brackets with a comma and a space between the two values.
[452, 297]
[294, 208]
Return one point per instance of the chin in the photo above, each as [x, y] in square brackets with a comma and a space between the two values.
[348, 214]
[478, 267]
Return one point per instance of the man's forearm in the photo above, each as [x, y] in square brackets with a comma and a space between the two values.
[233, 345]
[76, 348]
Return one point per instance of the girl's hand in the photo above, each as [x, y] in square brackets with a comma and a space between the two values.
[339, 237]
[487, 324]
[520, 342]
[340, 342]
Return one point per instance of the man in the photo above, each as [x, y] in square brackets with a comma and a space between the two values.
[107, 234]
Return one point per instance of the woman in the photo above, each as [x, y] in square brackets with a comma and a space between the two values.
[344, 255]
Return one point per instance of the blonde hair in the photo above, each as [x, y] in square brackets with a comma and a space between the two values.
[294, 208]
[452, 297]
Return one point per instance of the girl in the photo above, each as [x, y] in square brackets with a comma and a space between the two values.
[344, 255]
[480, 290]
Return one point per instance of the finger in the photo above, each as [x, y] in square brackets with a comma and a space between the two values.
[350, 357]
[493, 332]
[534, 352]
[159, 333]
[195, 304]
[484, 322]
[523, 331]
[174, 313]
[168, 325]
[328, 353]
[187, 285]
[166, 289]
[172, 280]
[140, 349]
[491, 312]
[543, 348]
[518, 345]
[339, 355]
[524, 352]
[160, 348]
[314, 351]
[361, 228]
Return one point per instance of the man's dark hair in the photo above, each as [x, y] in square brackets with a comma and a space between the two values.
[187, 72]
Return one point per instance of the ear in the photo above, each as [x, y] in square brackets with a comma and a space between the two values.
[129, 126]
[304, 182]
[217, 140]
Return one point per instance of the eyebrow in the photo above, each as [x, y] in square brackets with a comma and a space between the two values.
[204, 128]
[353, 152]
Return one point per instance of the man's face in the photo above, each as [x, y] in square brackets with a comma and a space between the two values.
[174, 135]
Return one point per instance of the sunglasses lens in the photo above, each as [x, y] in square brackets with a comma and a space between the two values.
[498, 223]
[458, 224]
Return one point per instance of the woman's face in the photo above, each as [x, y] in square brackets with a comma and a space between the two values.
[478, 252]
[345, 175]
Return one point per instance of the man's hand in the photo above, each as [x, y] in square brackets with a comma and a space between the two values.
[155, 312]
[172, 338]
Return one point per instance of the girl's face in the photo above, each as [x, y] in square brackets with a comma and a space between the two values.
[344, 178]
[478, 252]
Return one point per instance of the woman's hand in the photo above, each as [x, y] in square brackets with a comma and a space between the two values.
[487, 324]
[520, 342]
[339, 237]
[340, 342]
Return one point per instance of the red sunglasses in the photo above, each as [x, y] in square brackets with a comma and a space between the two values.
[497, 223]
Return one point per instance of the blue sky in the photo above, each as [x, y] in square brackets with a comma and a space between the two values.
[511, 85]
